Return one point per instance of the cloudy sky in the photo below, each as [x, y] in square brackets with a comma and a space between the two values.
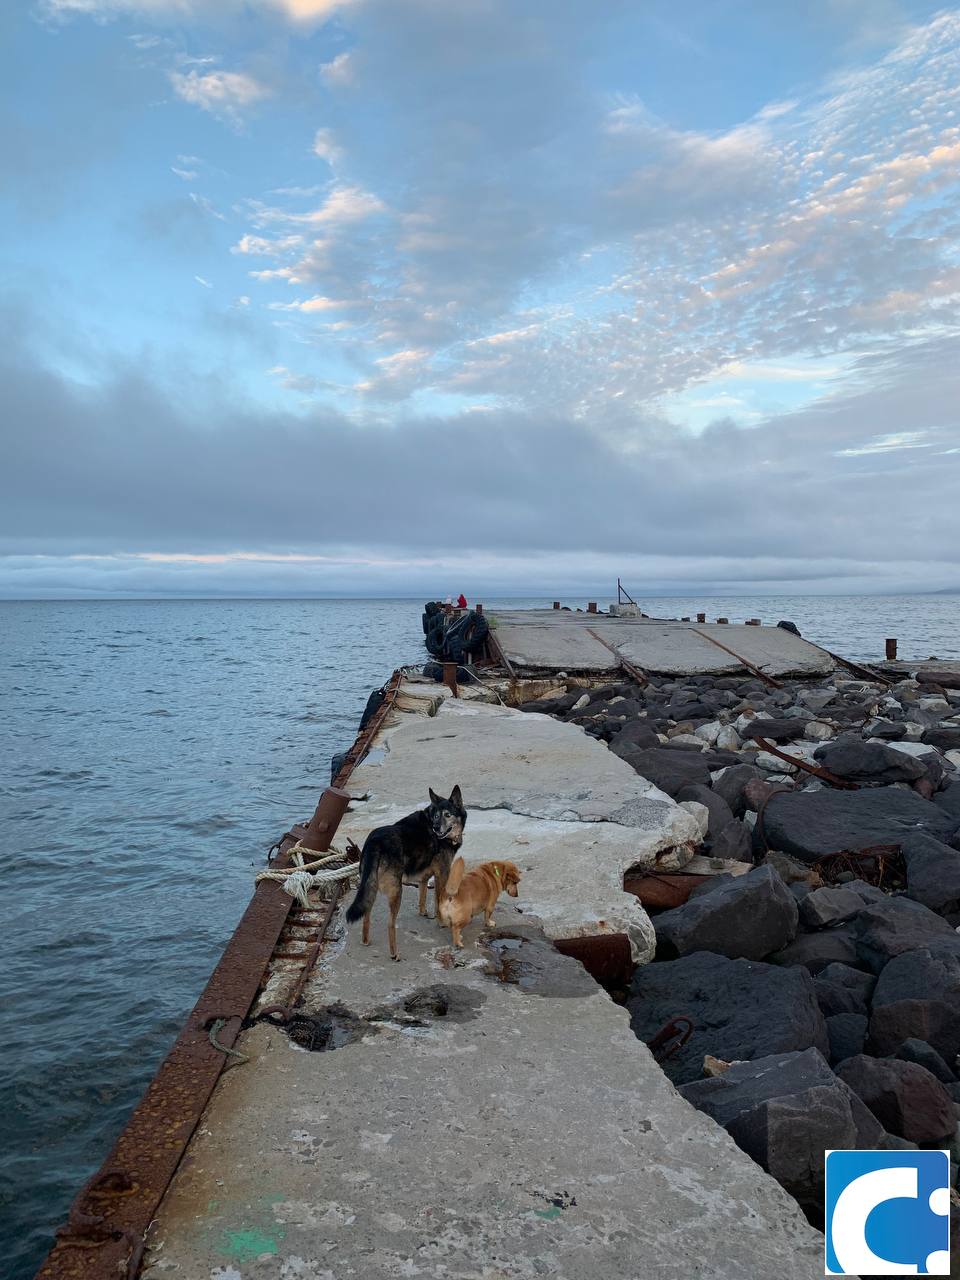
[378, 296]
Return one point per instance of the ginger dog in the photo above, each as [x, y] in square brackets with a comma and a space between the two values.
[468, 893]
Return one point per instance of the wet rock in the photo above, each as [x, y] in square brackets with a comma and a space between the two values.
[751, 916]
[925, 1055]
[810, 824]
[905, 1098]
[933, 872]
[740, 1009]
[814, 951]
[829, 906]
[671, 771]
[917, 996]
[873, 762]
[887, 929]
[847, 1033]
[784, 1111]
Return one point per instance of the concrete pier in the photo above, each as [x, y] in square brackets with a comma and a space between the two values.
[484, 1113]
[543, 640]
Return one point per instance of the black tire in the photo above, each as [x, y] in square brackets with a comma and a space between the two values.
[373, 705]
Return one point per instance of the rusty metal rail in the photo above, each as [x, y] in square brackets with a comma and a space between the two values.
[104, 1236]
[754, 671]
[633, 671]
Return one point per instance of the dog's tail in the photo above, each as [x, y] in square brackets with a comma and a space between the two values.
[367, 889]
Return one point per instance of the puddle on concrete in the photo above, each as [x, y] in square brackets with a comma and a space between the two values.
[328, 1028]
[441, 1001]
[536, 967]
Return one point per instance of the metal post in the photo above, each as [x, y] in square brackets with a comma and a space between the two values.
[556, 604]
[701, 617]
[891, 650]
[723, 621]
[330, 809]
[753, 622]
[478, 609]
[592, 607]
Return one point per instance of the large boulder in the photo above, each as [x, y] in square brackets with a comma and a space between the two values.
[785, 1110]
[636, 735]
[906, 1098]
[720, 812]
[785, 729]
[943, 679]
[811, 824]
[739, 1009]
[946, 737]
[917, 996]
[734, 843]
[887, 929]
[847, 1033]
[933, 872]
[919, 1051]
[731, 783]
[828, 906]
[814, 951]
[841, 989]
[860, 761]
[949, 801]
[671, 771]
[750, 916]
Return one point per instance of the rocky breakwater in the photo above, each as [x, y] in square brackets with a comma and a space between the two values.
[822, 971]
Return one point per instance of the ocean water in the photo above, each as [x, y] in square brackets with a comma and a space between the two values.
[152, 752]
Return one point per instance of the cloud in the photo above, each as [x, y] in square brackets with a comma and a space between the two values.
[302, 13]
[325, 146]
[226, 94]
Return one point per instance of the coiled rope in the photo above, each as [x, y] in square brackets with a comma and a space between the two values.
[303, 876]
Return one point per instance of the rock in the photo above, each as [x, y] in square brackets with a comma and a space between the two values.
[925, 1055]
[740, 1009]
[768, 763]
[885, 729]
[948, 800]
[917, 996]
[791, 871]
[700, 815]
[887, 929]
[708, 732]
[905, 1097]
[817, 731]
[945, 679]
[860, 761]
[841, 989]
[730, 784]
[810, 824]
[636, 735]
[720, 812]
[785, 625]
[814, 951]
[728, 739]
[946, 738]
[783, 730]
[785, 1110]
[685, 742]
[671, 771]
[757, 793]
[828, 906]
[750, 917]
[734, 842]
[933, 872]
[846, 1033]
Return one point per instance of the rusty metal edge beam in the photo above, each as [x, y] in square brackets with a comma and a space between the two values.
[865, 673]
[159, 1129]
[761, 675]
[633, 671]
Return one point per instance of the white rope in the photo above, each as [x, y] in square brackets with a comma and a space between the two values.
[299, 879]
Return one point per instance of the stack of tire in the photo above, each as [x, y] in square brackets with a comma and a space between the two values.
[454, 640]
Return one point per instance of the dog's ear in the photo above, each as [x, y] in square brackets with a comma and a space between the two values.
[455, 797]
[457, 871]
[434, 798]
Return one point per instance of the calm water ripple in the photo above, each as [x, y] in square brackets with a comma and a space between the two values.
[153, 750]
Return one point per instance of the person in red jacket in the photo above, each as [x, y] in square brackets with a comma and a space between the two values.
[461, 601]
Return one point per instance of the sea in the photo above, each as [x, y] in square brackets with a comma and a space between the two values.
[152, 752]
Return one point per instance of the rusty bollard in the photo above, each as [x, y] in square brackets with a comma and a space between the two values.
[891, 646]
[323, 825]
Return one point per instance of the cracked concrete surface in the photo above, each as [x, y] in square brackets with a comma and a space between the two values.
[535, 1137]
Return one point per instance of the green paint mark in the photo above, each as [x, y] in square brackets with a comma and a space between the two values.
[248, 1243]
[548, 1213]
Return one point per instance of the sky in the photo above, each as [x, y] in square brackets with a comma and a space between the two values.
[306, 297]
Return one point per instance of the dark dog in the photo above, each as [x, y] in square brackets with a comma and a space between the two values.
[419, 846]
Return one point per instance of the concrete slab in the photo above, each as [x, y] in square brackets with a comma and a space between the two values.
[552, 641]
[571, 814]
[523, 1133]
